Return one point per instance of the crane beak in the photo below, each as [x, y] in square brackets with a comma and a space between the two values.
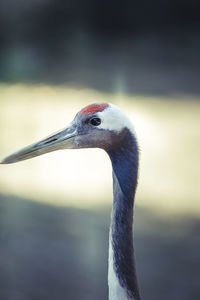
[64, 139]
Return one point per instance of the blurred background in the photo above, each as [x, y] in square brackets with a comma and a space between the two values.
[55, 58]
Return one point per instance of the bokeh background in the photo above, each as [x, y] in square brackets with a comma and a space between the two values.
[55, 58]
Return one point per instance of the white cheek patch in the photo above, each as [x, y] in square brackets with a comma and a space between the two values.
[113, 118]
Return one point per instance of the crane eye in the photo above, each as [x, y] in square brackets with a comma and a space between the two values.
[95, 121]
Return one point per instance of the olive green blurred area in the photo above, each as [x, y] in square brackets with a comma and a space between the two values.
[55, 58]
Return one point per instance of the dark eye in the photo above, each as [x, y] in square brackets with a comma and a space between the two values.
[95, 121]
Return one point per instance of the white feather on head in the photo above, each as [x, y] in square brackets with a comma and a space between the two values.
[113, 118]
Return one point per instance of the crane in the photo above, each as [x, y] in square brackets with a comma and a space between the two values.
[104, 125]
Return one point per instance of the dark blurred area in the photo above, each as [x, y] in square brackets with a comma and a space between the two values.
[145, 47]
[61, 253]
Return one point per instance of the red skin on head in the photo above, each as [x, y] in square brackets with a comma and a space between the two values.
[93, 108]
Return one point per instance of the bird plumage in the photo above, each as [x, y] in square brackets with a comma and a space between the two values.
[105, 126]
[125, 170]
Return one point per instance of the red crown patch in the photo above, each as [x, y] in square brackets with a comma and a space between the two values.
[93, 108]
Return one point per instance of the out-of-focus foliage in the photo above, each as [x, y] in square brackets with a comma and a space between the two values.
[148, 47]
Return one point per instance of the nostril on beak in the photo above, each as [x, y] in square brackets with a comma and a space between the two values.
[50, 141]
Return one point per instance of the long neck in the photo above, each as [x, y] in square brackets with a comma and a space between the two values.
[122, 273]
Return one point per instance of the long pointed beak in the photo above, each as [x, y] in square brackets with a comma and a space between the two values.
[63, 139]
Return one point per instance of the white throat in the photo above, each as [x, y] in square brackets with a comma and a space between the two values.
[116, 291]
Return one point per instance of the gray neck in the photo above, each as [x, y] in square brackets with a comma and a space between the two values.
[122, 274]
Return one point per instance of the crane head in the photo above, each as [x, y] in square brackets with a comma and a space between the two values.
[98, 125]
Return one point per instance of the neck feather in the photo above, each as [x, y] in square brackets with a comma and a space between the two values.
[123, 282]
